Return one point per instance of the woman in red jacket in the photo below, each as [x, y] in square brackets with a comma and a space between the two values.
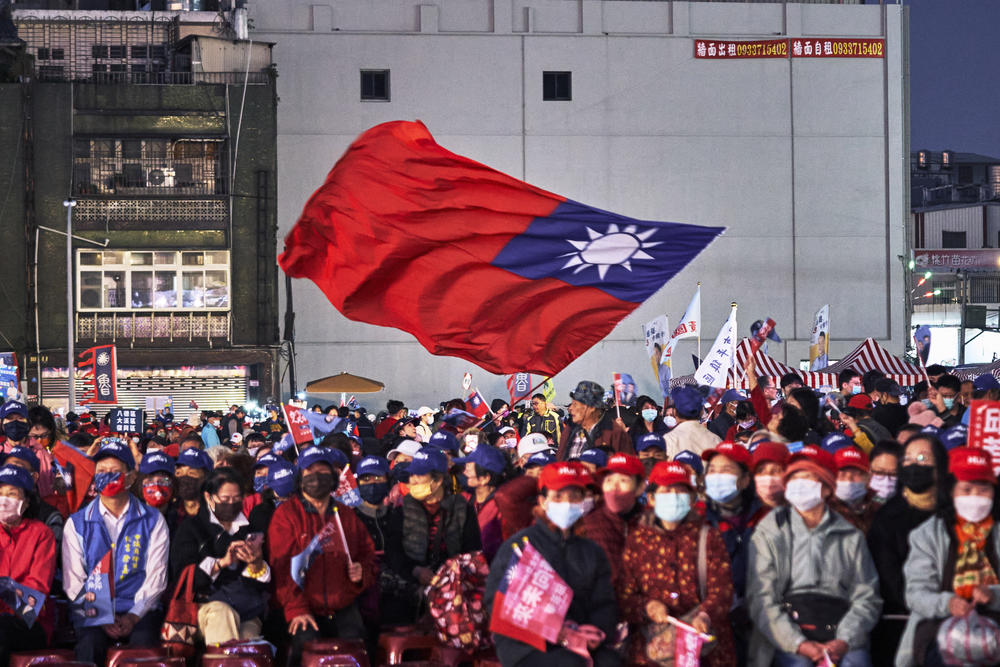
[28, 557]
[661, 572]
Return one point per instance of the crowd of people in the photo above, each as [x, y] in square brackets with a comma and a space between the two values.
[796, 528]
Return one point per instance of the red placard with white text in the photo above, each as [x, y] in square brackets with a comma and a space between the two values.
[298, 425]
[984, 429]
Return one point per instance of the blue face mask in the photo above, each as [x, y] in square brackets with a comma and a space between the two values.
[856, 389]
[672, 507]
[721, 487]
[649, 414]
[949, 403]
[374, 493]
[260, 483]
[564, 515]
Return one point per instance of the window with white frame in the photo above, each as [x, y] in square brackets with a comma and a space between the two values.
[126, 280]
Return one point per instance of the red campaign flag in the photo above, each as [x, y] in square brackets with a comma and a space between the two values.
[531, 601]
[81, 469]
[407, 234]
[476, 405]
[616, 382]
[687, 649]
[298, 425]
[984, 428]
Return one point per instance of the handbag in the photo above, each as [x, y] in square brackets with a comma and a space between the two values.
[180, 625]
[816, 614]
[661, 638]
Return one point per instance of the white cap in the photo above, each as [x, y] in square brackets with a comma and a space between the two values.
[424, 410]
[506, 429]
[532, 444]
[236, 437]
[408, 447]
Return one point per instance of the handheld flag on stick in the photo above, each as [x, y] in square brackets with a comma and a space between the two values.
[714, 370]
[401, 220]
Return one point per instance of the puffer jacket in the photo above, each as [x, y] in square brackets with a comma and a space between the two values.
[931, 543]
[843, 567]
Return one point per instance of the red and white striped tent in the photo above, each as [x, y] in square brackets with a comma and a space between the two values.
[765, 366]
[872, 356]
[975, 371]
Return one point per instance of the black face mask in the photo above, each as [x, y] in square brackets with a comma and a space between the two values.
[16, 430]
[374, 493]
[319, 485]
[648, 465]
[188, 488]
[226, 512]
[916, 478]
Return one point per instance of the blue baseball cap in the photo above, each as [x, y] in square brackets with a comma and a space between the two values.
[329, 455]
[834, 442]
[194, 458]
[597, 457]
[116, 448]
[266, 460]
[650, 440]
[932, 430]
[13, 407]
[428, 460]
[373, 465]
[689, 458]
[540, 459]
[732, 395]
[687, 401]
[445, 441]
[486, 456]
[281, 478]
[956, 436]
[25, 454]
[16, 476]
[156, 462]
[985, 382]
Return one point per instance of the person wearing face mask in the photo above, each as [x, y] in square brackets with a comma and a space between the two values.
[744, 421]
[484, 472]
[810, 560]
[944, 400]
[278, 486]
[849, 381]
[696, 468]
[192, 468]
[732, 507]
[14, 418]
[326, 605]
[884, 480]
[231, 577]
[27, 555]
[157, 482]
[852, 498]
[952, 565]
[425, 417]
[889, 412]
[131, 538]
[431, 525]
[25, 458]
[675, 564]
[210, 430]
[580, 562]
[649, 420]
[591, 425]
[727, 415]
[768, 465]
[923, 462]
[618, 511]
[651, 449]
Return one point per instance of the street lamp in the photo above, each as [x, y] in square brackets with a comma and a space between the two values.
[70, 333]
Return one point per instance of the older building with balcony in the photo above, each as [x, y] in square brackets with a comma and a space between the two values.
[161, 126]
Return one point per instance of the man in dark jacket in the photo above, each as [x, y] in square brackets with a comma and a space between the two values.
[889, 413]
[580, 562]
[431, 525]
[592, 426]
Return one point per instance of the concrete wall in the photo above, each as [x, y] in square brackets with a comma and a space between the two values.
[803, 160]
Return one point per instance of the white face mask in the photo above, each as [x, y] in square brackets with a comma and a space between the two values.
[804, 494]
[670, 421]
[850, 492]
[973, 508]
[471, 442]
[884, 486]
[769, 486]
[10, 510]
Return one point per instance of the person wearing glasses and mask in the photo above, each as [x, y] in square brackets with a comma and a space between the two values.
[924, 465]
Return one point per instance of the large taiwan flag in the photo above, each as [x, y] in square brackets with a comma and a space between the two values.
[474, 263]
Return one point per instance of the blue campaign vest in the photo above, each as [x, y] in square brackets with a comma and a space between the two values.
[128, 564]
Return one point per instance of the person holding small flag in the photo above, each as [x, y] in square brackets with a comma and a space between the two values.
[339, 556]
[580, 563]
[592, 426]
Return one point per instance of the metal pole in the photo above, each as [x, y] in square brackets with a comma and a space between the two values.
[70, 333]
[961, 330]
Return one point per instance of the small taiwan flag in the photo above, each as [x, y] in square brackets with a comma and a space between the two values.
[476, 405]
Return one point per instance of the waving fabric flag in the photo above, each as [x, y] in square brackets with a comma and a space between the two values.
[472, 262]
[714, 370]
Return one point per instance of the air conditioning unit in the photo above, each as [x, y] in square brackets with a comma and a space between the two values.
[160, 178]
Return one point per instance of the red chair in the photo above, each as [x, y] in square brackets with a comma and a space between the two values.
[177, 649]
[488, 662]
[45, 657]
[223, 660]
[260, 652]
[330, 652]
[395, 646]
[452, 657]
[153, 662]
[118, 655]
[69, 663]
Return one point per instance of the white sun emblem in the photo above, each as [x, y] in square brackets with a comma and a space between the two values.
[616, 247]
[103, 358]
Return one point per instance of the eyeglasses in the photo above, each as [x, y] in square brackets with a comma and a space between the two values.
[919, 458]
[39, 436]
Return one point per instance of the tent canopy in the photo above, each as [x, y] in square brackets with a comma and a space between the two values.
[869, 355]
[973, 372]
[344, 383]
[767, 366]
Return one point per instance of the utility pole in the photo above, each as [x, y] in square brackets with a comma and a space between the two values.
[70, 333]
[964, 276]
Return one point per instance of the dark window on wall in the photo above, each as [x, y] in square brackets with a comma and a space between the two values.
[374, 85]
[557, 86]
[953, 240]
[99, 51]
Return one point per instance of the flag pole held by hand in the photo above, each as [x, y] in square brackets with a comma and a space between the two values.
[343, 537]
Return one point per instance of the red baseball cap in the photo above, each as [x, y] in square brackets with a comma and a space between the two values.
[769, 452]
[851, 457]
[971, 464]
[817, 455]
[626, 464]
[860, 402]
[731, 450]
[666, 473]
[558, 476]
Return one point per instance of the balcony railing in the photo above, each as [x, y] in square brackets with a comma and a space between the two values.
[154, 327]
[129, 168]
